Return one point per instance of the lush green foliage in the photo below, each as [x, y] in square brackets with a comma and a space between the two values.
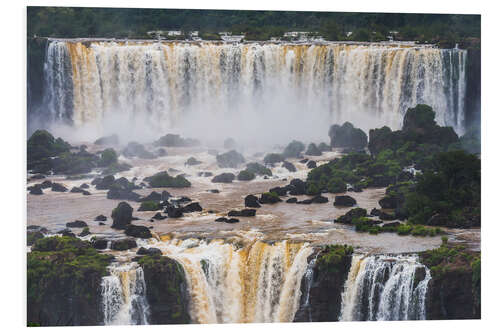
[163, 179]
[149, 206]
[258, 169]
[449, 257]
[108, 157]
[245, 175]
[293, 149]
[333, 255]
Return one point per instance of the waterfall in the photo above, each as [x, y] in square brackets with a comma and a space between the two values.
[385, 287]
[308, 280]
[124, 295]
[258, 282]
[168, 82]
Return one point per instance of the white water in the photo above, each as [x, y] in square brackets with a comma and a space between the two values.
[124, 295]
[196, 87]
[257, 282]
[382, 288]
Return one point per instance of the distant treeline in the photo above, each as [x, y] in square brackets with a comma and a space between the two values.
[258, 25]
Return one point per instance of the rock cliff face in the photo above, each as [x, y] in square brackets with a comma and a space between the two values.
[165, 290]
[328, 277]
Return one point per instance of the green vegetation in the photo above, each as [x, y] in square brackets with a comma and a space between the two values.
[334, 255]
[108, 157]
[365, 224]
[273, 158]
[149, 206]
[246, 175]
[293, 149]
[41, 147]
[163, 179]
[258, 25]
[258, 169]
[447, 258]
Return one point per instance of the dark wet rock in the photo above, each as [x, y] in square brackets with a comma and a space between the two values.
[348, 217]
[304, 161]
[299, 187]
[46, 184]
[104, 183]
[107, 157]
[280, 191]
[305, 202]
[116, 193]
[111, 140]
[226, 177]
[56, 187]
[100, 218]
[175, 140]
[99, 243]
[37, 177]
[230, 159]
[173, 212]
[121, 215]
[252, 201]
[163, 179]
[386, 216]
[96, 181]
[388, 202]
[292, 200]
[84, 186]
[149, 206]
[192, 161]
[311, 164]
[192, 207]
[273, 158]
[242, 213]
[344, 200]
[258, 169]
[289, 166]
[76, 190]
[35, 189]
[313, 150]
[165, 195]
[115, 168]
[181, 200]
[152, 251]
[123, 244]
[158, 216]
[138, 231]
[33, 236]
[245, 175]
[221, 219]
[135, 149]
[41, 146]
[66, 232]
[214, 191]
[375, 212]
[76, 224]
[85, 232]
[102, 223]
[293, 149]
[269, 198]
[319, 199]
[229, 143]
[347, 136]
[153, 196]
[232, 220]
[205, 174]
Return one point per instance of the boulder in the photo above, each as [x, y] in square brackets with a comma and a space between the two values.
[388, 202]
[347, 136]
[161, 152]
[175, 140]
[77, 190]
[232, 220]
[153, 196]
[280, 191]
[298, 187]
[121, 215]
[149, 206]
[258, 169]
[293, 149]
[192, 161]
[269, 198]
[305, 202]
[99, 243]
[245, 175]
[273, 158]
[319, 199]
[313, 150]
[158, 216]
[386, 216]
[152, 251]
[214, 191]
[173, 212]
[192, 207]
[344, 200]
[123, 244]
[76, 224]
[100, 218]
[116, 193]
[104, 183]
[138, 231]
[230, 159]
[252, 201]
[56, 187]
[225, 177]
[163, 179]
[243, 212]
[85, 232]
[348, 217]
[375, 212]
[36, 190]
[134, 149]
[292, 200]
[84, 186]
[221, 219]
[289, 166]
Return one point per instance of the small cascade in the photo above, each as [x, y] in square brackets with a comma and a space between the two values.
[124, 295]
[308, 280]
[258, 282]
[385, 287]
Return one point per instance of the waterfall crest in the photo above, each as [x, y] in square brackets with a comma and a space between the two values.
[124, 295]
[167, 82]
[385, 288]
[258, 282]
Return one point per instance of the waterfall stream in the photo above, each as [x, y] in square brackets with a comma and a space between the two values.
[124, 295]
[385, 287]
[168, 82]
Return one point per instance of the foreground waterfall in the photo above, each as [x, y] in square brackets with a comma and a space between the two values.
[385, 288]
[124, 296]
[332, 82]
[258, 282]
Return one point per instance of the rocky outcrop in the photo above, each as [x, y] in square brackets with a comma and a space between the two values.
[121, 215]
[225, 177]
[347, 136]
[325, 295]
[231, 159]
[166, 291]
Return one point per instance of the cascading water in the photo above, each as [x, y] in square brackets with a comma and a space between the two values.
[124, 295]
[166, 82]
[258, 282]
[385, 288]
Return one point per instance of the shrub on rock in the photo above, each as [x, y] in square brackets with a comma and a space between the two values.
[269, 198]
[226, 177]
[245, 175]
[121, 215]
[273, 158]
[344, 200]
[347, 136]
[252, 201]
[138, 231]
[149, 206]
[123, 244]
[289, 166]
[258, 169]
[313, 150]
[294, 149]
[108, 157]
[163, 179]
[230, 159]
[175, 140]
